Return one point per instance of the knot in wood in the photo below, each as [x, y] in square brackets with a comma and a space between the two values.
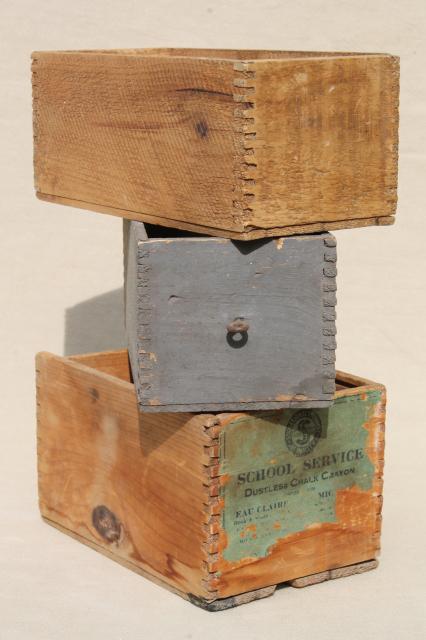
[106, 523]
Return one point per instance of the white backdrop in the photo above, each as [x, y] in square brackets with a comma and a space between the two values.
[60, 280]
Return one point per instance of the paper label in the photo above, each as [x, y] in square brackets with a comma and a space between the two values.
[284, 469]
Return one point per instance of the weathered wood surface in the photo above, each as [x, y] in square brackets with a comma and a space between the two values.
[147, 491]
[240, 144]
[333, 144]
[334, 574]
[183, 295]
[287, 502]
[94, 449]
[307, 581]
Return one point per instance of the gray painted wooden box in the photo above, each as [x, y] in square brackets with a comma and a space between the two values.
[216, 325]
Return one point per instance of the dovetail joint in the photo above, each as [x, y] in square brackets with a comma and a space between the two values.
[245, 127]
[329, 313]
[212, 505]
[144, 324]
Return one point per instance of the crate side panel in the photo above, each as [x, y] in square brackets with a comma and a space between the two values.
[152, 135]
[300, 491]
[132, 484]
[192, 289]
[114, 363]
[326, 140]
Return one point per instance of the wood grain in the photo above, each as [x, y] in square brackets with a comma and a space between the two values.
[252, 234]
[326, 139]
[156, 479]
[148, 134]
[241, 144]
[183, 293]
[95, 449]
[334, 574]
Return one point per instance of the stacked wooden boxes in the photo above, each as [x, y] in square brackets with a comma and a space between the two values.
[229, 456]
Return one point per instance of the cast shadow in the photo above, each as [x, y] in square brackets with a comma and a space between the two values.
[96, 324]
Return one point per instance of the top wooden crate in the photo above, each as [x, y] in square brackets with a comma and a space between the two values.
[240, 144]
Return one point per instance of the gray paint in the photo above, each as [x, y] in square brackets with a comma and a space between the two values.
[182, 293]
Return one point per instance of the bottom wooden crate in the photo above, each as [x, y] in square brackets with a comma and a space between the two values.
[218, 508]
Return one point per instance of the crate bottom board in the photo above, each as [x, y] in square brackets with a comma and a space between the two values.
[221, 604]
[250, 233]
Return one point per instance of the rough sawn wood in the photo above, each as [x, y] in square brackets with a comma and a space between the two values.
[239, 144]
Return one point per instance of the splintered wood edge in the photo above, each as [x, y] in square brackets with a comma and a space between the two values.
[248, 234]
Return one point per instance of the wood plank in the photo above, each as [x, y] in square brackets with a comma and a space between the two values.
[153, 134]
[114, 363]
[94, 449]
[249, 234]
[334, 574]
[326, 139]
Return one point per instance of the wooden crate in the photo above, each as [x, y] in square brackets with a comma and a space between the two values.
[218, 508]
[240, 144]
[217, 325]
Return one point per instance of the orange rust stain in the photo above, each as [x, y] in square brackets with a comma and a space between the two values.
[220, 504]
[349, 540]
[375, 440]
[224, 479]
[227, 418]
[277, 525]
[352, 538]
[249, 528]
[222, 541]
[355, 507]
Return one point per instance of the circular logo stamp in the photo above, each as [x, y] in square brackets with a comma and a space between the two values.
[303, 432]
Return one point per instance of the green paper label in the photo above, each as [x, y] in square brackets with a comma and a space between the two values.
[285, 468]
